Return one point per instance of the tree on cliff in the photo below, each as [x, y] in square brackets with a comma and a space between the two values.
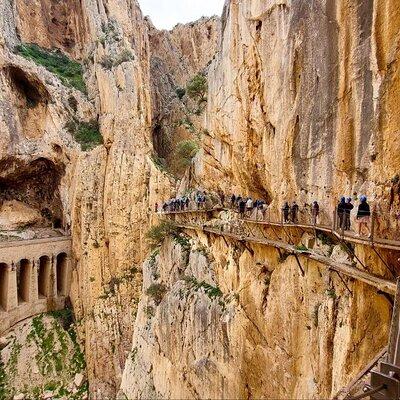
[196, 88]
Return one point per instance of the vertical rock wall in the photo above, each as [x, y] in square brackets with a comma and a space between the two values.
[302, 100]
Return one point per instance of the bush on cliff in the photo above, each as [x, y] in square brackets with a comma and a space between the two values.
[87, 134]
[185, 152]
[156, 291]
[158, 233]
[70, 72]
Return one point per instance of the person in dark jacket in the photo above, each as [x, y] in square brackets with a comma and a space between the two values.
[285, 212]
[233, 201]
[242, 208]
[340, 213]
[363, 216]
[315, 212]
[294, 212]
[347, 211]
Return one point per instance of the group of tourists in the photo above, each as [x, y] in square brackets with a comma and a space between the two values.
[247, 207]
[183, 203]
[344, 209]
[174, 204]
[290, 212]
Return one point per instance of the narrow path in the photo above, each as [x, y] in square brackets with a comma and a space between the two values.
[347, 235]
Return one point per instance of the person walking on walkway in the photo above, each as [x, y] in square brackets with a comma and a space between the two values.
[315, 212]
[285, 212]
[363, 216]
[233, 201]
[294, 212]
[242, 208]
[341, 213]
[347, 212]
[249, 207]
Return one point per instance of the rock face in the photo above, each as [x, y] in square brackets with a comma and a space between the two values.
[176, 57]
[39, 356]
[301, 101]
[295, 88]
[216, 321]
[107, 188]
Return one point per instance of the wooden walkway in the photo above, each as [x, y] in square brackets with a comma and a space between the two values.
[381, 284]
[347, 235]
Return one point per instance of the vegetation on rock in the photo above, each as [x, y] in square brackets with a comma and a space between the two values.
[87, 134]
[156, 291]
[186, 151]
[196, 88]
[70, 72]
[158, 233]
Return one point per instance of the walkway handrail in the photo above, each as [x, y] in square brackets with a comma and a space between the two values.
[339, 233]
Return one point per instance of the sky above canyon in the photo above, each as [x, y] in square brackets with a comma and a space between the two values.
[165, 14]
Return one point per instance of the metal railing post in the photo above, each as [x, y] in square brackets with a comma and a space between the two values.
[372, 225]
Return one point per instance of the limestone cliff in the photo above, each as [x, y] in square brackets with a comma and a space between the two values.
[102, 193]
[176, 57]
[302, 98]
[302, 101]
[221, 320]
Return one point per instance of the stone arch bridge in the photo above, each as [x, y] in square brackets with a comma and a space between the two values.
[35, 277]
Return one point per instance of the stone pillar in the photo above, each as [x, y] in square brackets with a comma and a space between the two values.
[53, 277]
[68, 276]
[12, 295]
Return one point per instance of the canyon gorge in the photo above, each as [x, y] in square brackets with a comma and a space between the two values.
[104, 117]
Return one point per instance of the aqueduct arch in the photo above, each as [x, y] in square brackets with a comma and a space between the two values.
[3, 286]
[61, 273]
[24, 281]
[44, 274]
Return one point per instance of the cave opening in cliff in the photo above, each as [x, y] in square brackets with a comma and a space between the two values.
[30, 193]
[30, 98]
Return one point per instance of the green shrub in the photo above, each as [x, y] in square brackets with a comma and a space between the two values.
[331, 293]
[180, 93]
[212, 292]
[156, 291]
[187, 123]
[70, 72]
[158, 233]
[87, 134]
[196, 88]
[107, 62]
[186, 151]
